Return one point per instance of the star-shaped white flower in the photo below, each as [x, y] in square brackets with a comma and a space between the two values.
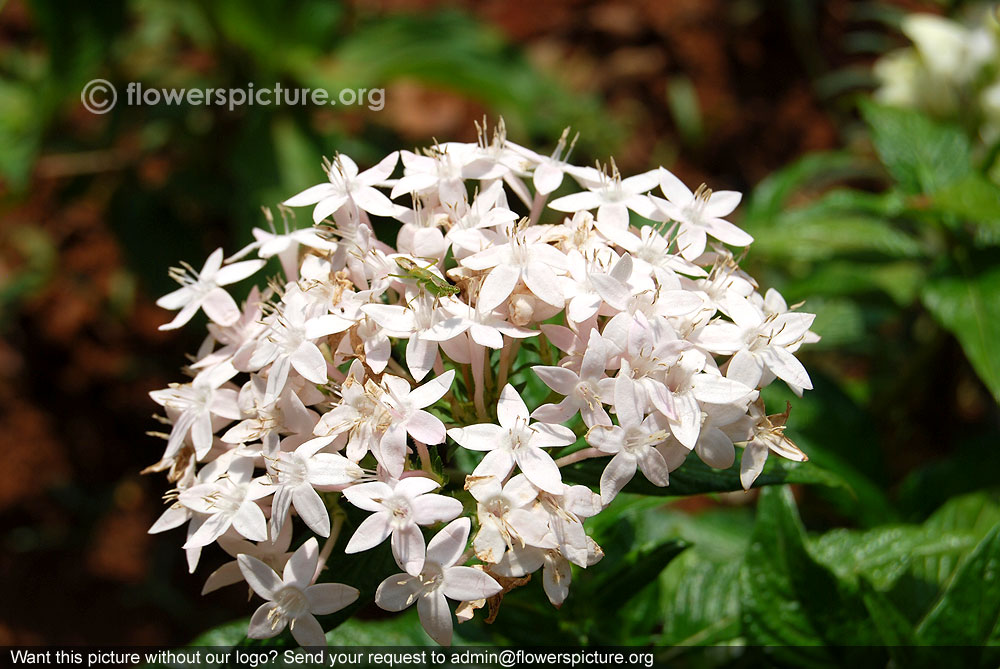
[202, 290]
[347, 185]
[440, 577]
[292, 600]
[398, 510]
[515, 441]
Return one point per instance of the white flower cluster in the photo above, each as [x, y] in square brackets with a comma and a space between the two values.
[952, 70]
[363, 357]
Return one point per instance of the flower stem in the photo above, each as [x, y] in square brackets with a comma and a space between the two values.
[537, 205]
[507, 354]
[324, 554]
[577, 456]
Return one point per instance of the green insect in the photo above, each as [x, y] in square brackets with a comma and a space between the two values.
[430, 281]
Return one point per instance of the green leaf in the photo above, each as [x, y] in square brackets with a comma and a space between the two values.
[696, 478]
[895, 630]
[974, 198]
[791, 601]
[969, 307]
[810, 235]
[400, 630]
[641, 568]
[969, 610]
[225, 635]
[770, 197]
[700, 600]
[882, 555]
[923, 156]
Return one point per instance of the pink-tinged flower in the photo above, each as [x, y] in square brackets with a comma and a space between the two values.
[699, 214]
[347, 185]
[228, 502]
[441, 577]
[533, 261]
[758, 342]
[199, 408]
[424, 322]
[632, 442]
[406, 408]
[291, 599]
[557, 574]
[442, 171]
[295, 476]
[286, 247]
[505, 516]
[202, 290]
[398, 510]
[515, 441]
[274, 553]
[548, 171]
[584, 390]
[290, 343]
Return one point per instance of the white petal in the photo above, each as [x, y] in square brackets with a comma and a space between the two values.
[542, 281]
[408, 548]
[259, 576]
[479, 437]
[260, 623]
[249, 521]
[466, 584]
[307, 632]
[327, 598]
[309, 362]
[311, 195]
[510, 407]
[435, 616]
[372, 531]
[429, 509]
[619, 471]
[220, 307]
[449, 544]
[498, 286]
[752, 464]
[397, 592]
[311, 509]
[715, 449]
[539, 467]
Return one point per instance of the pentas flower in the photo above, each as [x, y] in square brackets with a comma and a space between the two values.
[228, 502]
[520, 259]
[767, 434]
[347, 185]
[758, 343]
[505, 516]
[398, 510]
[292, 600]
[699, 214]
[611, 196]
[632, 442]
[360, 358]
[296, 476]
[440, 577]
[515, 441]
[201, 290]
[583, 390]
[199, 408]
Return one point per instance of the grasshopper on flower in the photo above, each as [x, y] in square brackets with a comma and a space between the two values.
[430, 281]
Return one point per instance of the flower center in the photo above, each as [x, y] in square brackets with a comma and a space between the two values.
[290, 603]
